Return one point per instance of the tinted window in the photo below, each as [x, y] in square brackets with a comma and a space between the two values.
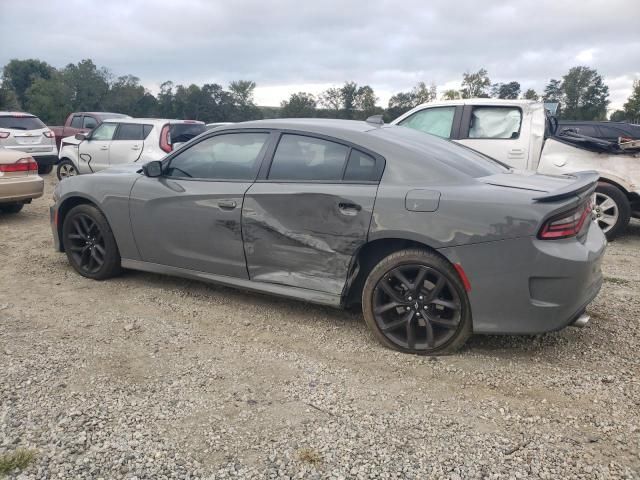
[90, 123]
[104, 132]
[588, 130]
[611, 133]
[183, 132]
[130, 131]
[147, 130]
[76, 121]
[495, 122]
[19, 122]
[436, 121]
[224, 157]
[361, 168]
[307, 158]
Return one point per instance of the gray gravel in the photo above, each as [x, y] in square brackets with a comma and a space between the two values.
[154, 377]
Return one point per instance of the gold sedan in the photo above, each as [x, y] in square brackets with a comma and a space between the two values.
[19, 180]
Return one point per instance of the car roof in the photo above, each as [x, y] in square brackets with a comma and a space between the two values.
[481, 101]
[16, 114]
[321, 126]
[154, 121]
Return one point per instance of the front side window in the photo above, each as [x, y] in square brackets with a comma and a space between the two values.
[234, 156]
[90, 123]
[76, 121]
[300, 158]
[436, 121]
[130, 131]
[104, 132]
[495, 122]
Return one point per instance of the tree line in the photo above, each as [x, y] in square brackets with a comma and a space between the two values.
[37, 87]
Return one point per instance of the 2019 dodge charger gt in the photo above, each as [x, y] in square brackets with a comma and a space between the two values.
[434, 240]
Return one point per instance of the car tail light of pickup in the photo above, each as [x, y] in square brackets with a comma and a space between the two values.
[567, 224]
[27, 164]
[165, 138]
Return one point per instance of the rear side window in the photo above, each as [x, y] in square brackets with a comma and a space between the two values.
[20, 122]
[130, 131]
[76, 121]
[495, 122]
[300, 158]
[361, 168]
[183, 132]
[234, 156]
[436, 121]
[90, 123]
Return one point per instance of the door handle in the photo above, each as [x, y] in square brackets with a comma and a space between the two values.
[349, 208]
[227, 204]
[135, 147]
[104, 148]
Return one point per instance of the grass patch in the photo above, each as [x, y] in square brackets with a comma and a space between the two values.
[310, 456]
[20, 459]
[617, 281]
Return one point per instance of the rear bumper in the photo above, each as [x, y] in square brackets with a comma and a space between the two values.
[20, 189]
[528, 286]
[53, 218]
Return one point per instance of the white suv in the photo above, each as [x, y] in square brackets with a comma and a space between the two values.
[24, 132]
[123, 140]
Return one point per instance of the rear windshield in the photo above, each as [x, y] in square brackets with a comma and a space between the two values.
[21, 122]
[459, 157]
[183, 132]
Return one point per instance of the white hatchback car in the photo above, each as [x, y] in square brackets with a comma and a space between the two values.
[118, 141]
[23, 132]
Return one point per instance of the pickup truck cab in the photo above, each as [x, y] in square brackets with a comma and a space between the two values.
[118, 141]
[82, 122]
[519, 134]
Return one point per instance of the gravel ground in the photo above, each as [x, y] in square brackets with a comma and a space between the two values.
[147, 376]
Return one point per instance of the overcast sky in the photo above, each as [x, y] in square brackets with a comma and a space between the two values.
[288, 46]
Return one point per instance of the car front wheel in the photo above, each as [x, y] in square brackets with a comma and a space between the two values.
[612, 210]
[414, 301]
[89, 243]
[66, 169]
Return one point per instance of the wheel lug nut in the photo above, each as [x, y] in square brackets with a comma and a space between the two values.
[408, 309]
[418, 314]
[409, 298]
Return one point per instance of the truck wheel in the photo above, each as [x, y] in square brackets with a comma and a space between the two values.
[44, 169]
[612, 209]
[66, 169]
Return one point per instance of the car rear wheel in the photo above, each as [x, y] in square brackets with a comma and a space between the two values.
[414, 301]
[89, 243]
[44, 169]
[66, 169]
[612, 210]
[11, 207]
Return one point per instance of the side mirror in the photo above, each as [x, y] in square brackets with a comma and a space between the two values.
[81, 136]
[152, 169]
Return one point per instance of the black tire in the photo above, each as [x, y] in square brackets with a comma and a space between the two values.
[436, 329]
[11, 207]
[66, 168]
[619, 213]
[44, 169]
[89, 243]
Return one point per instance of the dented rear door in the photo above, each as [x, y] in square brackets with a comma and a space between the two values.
[303, 223]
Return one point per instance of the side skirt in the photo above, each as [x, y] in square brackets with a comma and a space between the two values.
[304, 294]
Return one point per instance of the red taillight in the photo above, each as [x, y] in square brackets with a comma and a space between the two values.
[5, 134]
[566, 225]
[165, 139]
[48, 134]
[27, 164]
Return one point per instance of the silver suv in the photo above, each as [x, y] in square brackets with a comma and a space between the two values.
[119, 141]
[24, 132]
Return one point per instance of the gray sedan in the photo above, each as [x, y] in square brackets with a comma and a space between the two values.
[433, 240]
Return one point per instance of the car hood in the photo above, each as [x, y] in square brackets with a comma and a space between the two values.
[126, 168]
[72, 140]
[526, 180]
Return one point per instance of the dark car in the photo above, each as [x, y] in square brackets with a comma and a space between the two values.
[434, 240]
[609, 131]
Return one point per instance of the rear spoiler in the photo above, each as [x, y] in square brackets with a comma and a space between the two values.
[585, 181]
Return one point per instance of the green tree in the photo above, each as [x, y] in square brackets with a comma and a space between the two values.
[8, 98]
[165, 100]
[299, 105]
[126, 95]
[242, 95]
[50, 99]
[19, 75]
[365, 103]
[402, 102]
[451, 94]
[331, 99]
[632, 106]
[509, 90]
[89, 85]
[475, 85]
[585, 96]
[618, 116]
[530, 94]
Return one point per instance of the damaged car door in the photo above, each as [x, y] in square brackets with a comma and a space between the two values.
[309, 212]
[189, 217]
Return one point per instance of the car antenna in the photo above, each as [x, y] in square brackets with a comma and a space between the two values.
[375, 120]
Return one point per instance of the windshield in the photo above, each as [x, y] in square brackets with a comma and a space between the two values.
[183, 132]
[21, 122]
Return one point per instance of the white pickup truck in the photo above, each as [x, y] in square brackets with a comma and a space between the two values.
[521, 134]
